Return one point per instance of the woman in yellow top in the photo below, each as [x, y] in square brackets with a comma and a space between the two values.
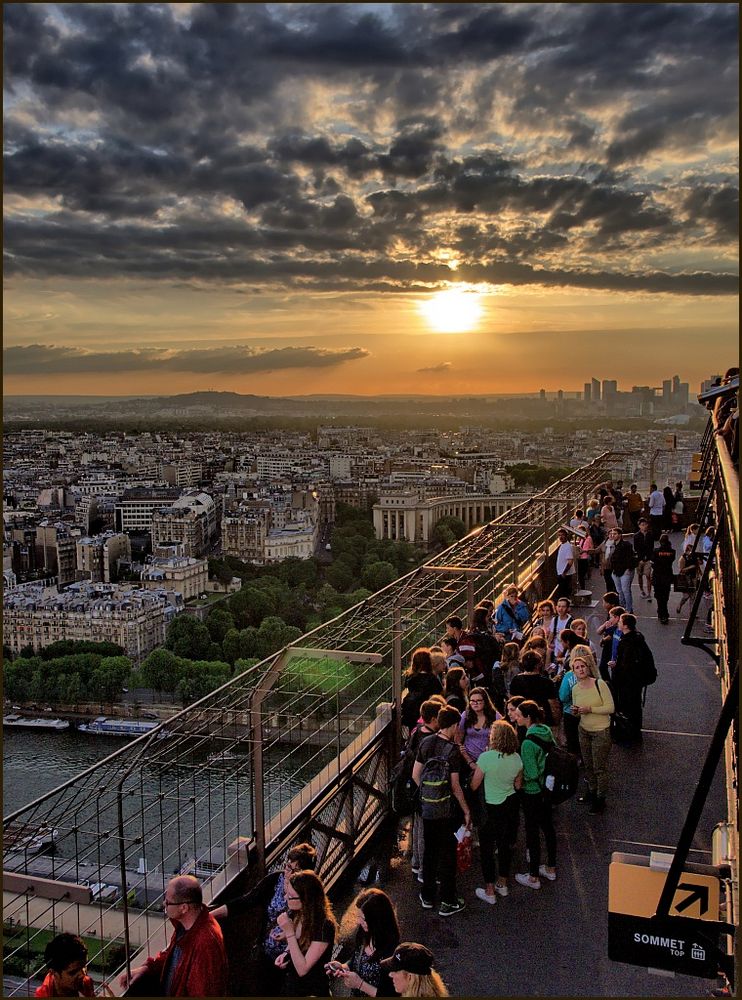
[592, 702]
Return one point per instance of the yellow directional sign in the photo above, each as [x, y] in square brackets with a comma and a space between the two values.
[636, 890]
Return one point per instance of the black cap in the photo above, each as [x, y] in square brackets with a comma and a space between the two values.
[410, 957]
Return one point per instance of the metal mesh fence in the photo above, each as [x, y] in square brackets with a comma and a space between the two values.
[249, 758]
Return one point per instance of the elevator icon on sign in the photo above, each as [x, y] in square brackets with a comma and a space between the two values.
[698, 952]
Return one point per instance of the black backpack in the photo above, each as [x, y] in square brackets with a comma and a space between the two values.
[436, 797]
[486, 652]
[403, 792]
[561, 775]
[647, 668]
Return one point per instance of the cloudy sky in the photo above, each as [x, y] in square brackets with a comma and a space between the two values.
[368, 198]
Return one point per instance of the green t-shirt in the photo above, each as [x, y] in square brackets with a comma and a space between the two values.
[500, 771]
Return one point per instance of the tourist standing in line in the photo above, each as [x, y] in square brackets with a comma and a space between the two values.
[687, 576]
[501, 769]
[451, 651]
[669, 494]
[622, 564]
[627, 676]
[634, 504]
[441, 803]
[537, 808]
[421, 683]
[608, 514]
[592, 703]
[269, 896]
[429, 715]
[585, 548]
[644, 548]
[376, 939]
[308, 926]
[565, 564]
[656, 508]
[512, 615]
[663, 560]
[532, 684]
[411, 971]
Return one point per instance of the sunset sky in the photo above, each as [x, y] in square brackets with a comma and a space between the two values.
[287, 199]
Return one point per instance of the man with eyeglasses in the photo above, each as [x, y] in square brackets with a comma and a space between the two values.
[195, 962]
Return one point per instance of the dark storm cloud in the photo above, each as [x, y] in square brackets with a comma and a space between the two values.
[146, 141]
[41, 359]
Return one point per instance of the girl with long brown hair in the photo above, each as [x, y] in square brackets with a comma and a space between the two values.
[309, 928]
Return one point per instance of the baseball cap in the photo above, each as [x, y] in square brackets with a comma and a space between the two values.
[410, 957]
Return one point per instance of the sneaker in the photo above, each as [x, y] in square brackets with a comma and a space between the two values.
[502, 890]
[523, 878]
[417, 869]
[420, 878]
[448, 909]
[425, 904]
[545, 873]
[482, 894]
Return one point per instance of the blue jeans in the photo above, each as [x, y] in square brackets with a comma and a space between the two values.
[623, 588]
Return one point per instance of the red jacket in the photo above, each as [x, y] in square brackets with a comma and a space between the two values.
[48, 989]
[202, 970]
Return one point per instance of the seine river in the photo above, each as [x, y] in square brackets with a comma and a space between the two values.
[35, 762]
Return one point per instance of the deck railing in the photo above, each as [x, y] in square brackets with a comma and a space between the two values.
[297, 746]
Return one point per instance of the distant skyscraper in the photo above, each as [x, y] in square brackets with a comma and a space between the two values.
[610, 388]
[587, 392]
[542, 394]
[675, 386]
[560, 395]
[666, 389]
[596, 390]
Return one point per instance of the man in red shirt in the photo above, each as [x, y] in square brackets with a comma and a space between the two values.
[195, 963]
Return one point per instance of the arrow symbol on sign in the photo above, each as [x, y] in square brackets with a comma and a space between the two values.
[697, 894]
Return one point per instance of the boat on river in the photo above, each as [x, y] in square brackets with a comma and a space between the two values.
[103, 726]
[25, 722]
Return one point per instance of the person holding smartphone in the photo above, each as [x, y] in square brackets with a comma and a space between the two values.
[376, 939]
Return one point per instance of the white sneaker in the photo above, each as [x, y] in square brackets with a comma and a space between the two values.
[544, 871]
[502, 890]
[523, 878]
[481, 894]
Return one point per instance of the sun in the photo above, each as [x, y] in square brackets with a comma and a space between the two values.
[452, 311]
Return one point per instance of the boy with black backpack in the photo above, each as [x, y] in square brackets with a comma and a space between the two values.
[436, 773]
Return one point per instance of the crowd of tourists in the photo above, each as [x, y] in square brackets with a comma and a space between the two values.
[494, 716]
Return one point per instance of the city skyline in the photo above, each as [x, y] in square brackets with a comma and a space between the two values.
[368, 199]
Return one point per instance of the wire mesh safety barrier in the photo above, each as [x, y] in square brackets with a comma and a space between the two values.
[297, 746]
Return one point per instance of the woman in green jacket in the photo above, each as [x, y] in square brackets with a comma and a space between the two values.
[536, 805]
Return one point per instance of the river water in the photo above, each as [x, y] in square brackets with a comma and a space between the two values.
[35, 762]
[211, 804]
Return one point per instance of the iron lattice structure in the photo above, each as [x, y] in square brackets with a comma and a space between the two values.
[299, 745]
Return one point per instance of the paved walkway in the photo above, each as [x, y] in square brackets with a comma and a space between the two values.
[555, 942]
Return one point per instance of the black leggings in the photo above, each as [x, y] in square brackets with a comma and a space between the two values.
[501, 829]
[537, 815]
